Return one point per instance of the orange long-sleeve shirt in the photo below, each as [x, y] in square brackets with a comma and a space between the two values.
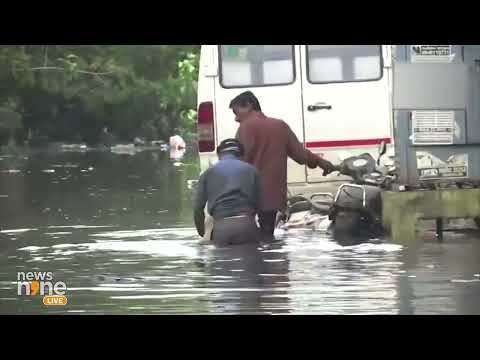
[268, 143]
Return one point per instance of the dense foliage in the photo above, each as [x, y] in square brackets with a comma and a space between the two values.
[71, 92]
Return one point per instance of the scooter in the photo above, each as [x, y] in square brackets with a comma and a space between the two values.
[356, 208]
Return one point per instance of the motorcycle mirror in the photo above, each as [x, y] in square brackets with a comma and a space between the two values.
[382, 149]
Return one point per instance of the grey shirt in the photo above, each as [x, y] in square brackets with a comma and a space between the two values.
[230, 187]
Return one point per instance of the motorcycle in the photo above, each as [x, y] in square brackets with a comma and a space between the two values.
[356, 208]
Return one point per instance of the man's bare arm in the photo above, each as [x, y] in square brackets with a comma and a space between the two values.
[199, 205]
[199, 218]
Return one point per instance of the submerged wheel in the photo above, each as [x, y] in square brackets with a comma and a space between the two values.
[477, 221]
[346, 223]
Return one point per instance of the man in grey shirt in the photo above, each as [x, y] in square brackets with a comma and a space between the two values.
[233, 190]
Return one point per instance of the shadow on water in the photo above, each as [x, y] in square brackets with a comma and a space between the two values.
[117, 229]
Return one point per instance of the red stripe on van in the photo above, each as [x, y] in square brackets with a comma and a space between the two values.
[339, 143]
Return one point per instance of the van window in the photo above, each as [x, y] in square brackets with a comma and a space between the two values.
[344, 63]
[256, 65]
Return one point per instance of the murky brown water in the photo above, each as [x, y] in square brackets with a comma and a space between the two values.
[118, 230]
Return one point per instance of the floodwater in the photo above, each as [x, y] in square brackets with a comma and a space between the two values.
[117, 229]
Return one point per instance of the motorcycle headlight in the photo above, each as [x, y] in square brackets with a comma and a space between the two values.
[359, 163]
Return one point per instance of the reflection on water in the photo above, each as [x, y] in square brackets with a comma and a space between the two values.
[117, 229]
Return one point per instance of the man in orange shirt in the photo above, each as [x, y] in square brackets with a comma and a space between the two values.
[268, 143]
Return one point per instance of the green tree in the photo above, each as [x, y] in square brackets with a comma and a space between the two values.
[71, 91]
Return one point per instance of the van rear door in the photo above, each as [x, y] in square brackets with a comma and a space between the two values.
[272, 73]
[346, 100]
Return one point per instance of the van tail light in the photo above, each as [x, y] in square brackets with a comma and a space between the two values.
[206, 130]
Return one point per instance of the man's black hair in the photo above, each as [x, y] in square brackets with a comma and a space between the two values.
[232, 146]
[246, 98]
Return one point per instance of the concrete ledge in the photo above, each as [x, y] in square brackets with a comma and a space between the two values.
[402, 210]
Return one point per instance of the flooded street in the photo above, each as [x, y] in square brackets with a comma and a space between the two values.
[118, 230]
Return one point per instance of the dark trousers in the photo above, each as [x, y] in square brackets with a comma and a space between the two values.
[235, 231]
[266, 220]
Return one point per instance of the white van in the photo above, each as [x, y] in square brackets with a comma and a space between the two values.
[336, 98]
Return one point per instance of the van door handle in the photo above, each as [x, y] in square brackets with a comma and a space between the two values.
[320, 106]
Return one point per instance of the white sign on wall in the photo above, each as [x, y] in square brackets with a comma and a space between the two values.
[431, 53]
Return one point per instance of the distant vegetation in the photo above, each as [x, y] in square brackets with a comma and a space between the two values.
[72, 92]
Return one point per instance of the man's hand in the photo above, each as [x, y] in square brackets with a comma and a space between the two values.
[327, 166]
[199, 218]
